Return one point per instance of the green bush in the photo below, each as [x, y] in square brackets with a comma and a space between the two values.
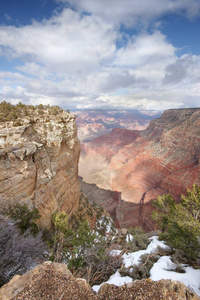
[140, 239]
[142, 270]
[84, 250]
[180, 223]
[9, 112]
[25, 217]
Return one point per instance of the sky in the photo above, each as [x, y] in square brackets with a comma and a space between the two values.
[103, 54]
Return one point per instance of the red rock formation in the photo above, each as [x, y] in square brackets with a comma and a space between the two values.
[164, 158]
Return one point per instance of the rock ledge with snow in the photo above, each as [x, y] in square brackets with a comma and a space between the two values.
[54, 281]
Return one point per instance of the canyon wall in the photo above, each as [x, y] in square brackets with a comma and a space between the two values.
[39, 164]
[141, 165]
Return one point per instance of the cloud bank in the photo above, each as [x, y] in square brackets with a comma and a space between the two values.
[83, 57]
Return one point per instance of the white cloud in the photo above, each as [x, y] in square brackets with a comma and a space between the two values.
[67, 42]
[72, 60]
[128, 12]
[132, 101]
[144, 50]
[185, 68]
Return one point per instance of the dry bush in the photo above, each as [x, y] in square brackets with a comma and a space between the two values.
[18, 252]
[99, 265]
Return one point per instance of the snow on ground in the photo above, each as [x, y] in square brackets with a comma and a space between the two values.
[162, 269]
[133, 258]
[115, 279]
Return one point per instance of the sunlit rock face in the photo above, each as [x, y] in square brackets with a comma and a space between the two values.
[39, 164]
[141, 165]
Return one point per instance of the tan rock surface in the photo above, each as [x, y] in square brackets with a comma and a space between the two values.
[147, 289]
[54, 281]
[47, 281]
[39, 164]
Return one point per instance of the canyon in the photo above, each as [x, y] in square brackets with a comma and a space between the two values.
[135, 167]
[93, 123]
[123, 170]
[39, 163]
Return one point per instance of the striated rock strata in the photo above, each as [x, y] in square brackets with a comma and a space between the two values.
[54, 281]
[141, 165]
[39, 164]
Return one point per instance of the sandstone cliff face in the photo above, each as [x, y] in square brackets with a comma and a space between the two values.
[54, 281]
[39, 164]
[164, 158]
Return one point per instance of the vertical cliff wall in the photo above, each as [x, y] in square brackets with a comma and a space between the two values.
[39, 164]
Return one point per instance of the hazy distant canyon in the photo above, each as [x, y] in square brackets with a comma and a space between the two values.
[93, 123]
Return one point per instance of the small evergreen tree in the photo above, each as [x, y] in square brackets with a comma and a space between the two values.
[24, 217]
[180, 223]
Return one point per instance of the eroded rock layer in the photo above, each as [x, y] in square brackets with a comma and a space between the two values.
[141, 165]
[39, 164]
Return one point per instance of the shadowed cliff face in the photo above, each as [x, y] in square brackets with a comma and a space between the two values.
[39, 164]
[164, 158]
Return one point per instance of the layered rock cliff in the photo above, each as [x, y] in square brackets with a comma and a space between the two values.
[39, 163]
[164, 158]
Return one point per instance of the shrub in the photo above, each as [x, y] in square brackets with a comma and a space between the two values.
[140, 239]
[24, 217]
[19, 252]
[99, 264]
[180, 223]
[17, 123]
[84, 251]
[60, 221]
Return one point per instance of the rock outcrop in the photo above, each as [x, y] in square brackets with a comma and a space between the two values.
[54, 281]
[164, 158]
[147, 290]
[47, 281]
[39, 164]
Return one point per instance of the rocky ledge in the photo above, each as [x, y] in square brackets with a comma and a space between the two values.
[54, 281]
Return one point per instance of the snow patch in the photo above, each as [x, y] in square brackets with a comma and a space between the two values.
[133, 258]
[115, 279]
[162, 269]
